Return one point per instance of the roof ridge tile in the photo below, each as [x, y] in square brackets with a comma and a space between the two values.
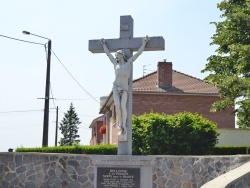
[140, 78]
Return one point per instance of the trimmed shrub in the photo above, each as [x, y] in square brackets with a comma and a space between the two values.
[76, 149]
[180, 134]
[230, 150]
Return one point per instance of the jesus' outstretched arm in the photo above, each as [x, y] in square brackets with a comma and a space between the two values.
[141, 49]
[106, 50]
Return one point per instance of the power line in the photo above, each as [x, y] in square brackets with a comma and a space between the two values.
[74, 99]
[21, 40]
[74, 78]
[57, 59]
[46, 52]
[18, 127]
[61, 111]
[22, 111]
[52, 95]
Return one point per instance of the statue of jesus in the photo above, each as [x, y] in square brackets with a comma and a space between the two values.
[122, 67]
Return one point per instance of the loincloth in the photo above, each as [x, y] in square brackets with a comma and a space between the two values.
[119, 89]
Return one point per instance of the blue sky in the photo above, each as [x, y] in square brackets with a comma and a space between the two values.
[185, 26]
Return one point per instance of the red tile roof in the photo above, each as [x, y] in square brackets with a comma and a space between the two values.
[95, 120]
[181, 84]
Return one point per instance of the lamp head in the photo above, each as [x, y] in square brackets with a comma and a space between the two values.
[26, 32]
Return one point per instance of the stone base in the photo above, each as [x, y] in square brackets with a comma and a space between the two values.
[134, 171]
[122, 137]
[79, 170]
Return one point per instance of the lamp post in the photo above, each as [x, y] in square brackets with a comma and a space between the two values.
[47, 88]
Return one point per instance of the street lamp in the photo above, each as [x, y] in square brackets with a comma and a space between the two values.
[47, 89]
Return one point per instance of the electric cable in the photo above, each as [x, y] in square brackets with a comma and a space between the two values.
[52, 95]
[22, 111]
[74, 78]
[57, 59]
[18, 127]
[74, 99]
[21, 40]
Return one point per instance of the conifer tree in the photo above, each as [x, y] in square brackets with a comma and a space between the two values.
[69, 127]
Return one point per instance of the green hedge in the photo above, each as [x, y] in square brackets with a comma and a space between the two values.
[179, 134]
[230, 150]
[77, 149]
[112, 150]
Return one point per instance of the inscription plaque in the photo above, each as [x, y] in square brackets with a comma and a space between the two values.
[118, 177]
[124, 27]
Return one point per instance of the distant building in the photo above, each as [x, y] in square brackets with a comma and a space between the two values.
[166, 91]
[96, 137]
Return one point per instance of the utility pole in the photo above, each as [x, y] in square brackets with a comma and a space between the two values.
[46, 103]
[47, 89]
[56, 125]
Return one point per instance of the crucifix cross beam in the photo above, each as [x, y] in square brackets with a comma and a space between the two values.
[154, 44]
[128, 44]
[126, 40]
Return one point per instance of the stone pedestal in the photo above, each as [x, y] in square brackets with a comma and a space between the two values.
[122, 171]
[122, 137]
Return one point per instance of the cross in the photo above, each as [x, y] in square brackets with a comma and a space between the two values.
[127, 44]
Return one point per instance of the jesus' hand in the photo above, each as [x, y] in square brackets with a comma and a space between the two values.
[146, 39]
[102, 41]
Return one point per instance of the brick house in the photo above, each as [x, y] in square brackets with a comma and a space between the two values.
[168, 91]
[95, 126]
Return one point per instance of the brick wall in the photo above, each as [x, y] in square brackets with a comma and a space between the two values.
[99, 135]
[171, 104]
[164, 74]
[114, 133]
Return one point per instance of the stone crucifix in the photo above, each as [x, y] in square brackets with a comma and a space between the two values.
[122, 86]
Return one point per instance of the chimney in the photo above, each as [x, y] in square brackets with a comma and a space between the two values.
[164, 74]
[102, 101]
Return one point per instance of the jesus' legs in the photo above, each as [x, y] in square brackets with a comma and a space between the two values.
[120, 99]
[117, 101]
[124, 97]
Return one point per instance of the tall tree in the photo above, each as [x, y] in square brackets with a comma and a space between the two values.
[230, 67]
[69, 127]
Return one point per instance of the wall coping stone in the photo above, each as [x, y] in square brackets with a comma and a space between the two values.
[229, 177]
[127, 160]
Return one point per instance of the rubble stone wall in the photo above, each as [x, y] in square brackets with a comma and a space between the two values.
[31, 170]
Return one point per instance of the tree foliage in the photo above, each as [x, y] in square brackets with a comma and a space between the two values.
[230, 67]
[179, 134]
[69, 127]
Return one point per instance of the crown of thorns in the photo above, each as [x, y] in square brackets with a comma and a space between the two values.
[122, 53]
